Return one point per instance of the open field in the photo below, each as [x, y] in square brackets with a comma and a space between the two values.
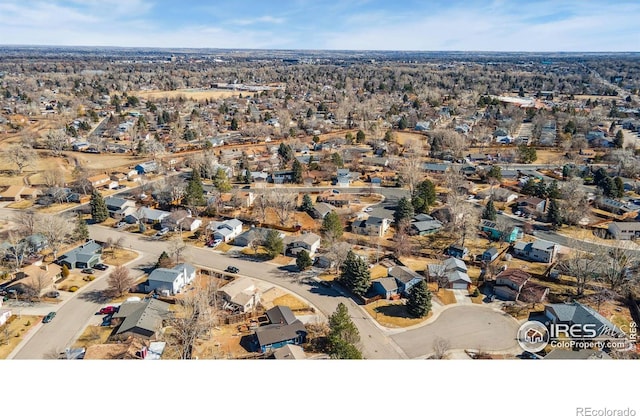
[189, 94]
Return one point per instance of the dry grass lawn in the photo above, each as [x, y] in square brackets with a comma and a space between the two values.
[392, 314]
[282, 260]
[52, 209]
[12, 333]
[378, 271]
[189, 94]
[119, 257]
[24, 204]
[291, 301]
[445, 296]
[93, 335]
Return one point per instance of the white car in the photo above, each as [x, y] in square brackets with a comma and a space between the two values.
[368, 209]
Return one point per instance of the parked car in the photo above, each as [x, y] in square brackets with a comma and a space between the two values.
[232, 269]
[48, 317]
[108, 310]
[100, 266]
[368, 209]
[53, 294]
[87, 271]
[162, 232]
[120, 224]
[215, 243]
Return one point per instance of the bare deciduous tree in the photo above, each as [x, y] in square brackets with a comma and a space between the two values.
[120, 281]
[58, 230]
[56, 141]
[190, 322]
[29, 222]
[176, 247]
[260, 205]
[21, 156]
[284, 203]
[440, 348]
[53, 177]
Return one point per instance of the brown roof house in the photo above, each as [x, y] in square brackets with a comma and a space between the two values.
[514, 284]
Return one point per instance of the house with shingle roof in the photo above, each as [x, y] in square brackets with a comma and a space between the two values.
[293, 244]
[284, 328]
[84, 256]
[405, 278]
[171, 280]
[242, 294]
[578, 313]
[142, 318]
[452, 271]
[539, 250]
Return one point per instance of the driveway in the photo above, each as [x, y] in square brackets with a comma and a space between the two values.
[462, 296]
[463, 327]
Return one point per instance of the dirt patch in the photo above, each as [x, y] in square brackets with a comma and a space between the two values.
[188, 94]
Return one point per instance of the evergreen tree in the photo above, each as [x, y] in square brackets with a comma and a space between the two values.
[247, 176]
[221, 181]
[303, 260]
[296, 177]
[423, 196]
[81, 231]
[163, 260]
[234, 124]
[529, 187]
[341, 328]
[490, 212]
[194, 194]
[618, 141]
[355, 274]
[618, 188]
[285, 152]
[332, 226]
[99, 211]
[337, 160]
[360, 136]
[273, 244]
[419, 300]
[495, 172]
[552, 190]
[404, 211]
[553, 214]
[307, 205]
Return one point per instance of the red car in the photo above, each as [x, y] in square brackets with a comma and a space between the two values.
[108, 310]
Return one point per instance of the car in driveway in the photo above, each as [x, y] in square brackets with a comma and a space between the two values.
[232, 269]
[120, 224]
[108, 310]
[53, 294]
[48, 317]
[100, 266]
[88, 270]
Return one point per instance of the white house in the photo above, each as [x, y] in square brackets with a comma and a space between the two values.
[226, 230]
[372, 226]
[540, 251]
[308, 241]
[625, 230]
[172, 280]
[241, 294]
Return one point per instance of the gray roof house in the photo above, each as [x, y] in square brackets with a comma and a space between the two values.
[253, 234]
[119, 207]
[385, 286]
[171, 280]
[226, 230]
[371, 226]
[577, 313]
[148, 215]
[451, 273]
[321, 209]
[405, 278]
[307, 241]
[539, 250]
[86, 255]
[284, 328]
[424, 224]
[141, 318]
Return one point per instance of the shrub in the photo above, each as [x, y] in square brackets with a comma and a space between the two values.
[476, 293]
[73, 288]
[27, 323]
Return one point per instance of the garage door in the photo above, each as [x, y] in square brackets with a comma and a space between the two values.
[459, 286]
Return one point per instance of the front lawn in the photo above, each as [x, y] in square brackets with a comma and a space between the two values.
[392, 314]
[12, 333]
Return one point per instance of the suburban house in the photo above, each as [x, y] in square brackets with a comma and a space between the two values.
[254, 235]
[321, 209]
[175, 220]
[284, 328]
[405, 278]
[617, 207]
[290, 352]
[84, 256]
[532, 205]
[344, 177]
[119, 207]
[99, 181]
[625, 230]
[514, 284]
[386, 287]
[147, 215]
[577, 313]
[39, 276]
[293, 244]
[171, 281]
[490, 254]
[241, 294]
[372, 226]
[494, 232]
[191, 224]
[451, 273]
[424, 224]
[146, 167]
[457, 251]
[436, 168]
[539, 250]
[142, 318]
[281, 176]
[226, 230]
[18, 192]
[35, 243]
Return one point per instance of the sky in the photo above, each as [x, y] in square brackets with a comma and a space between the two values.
[414, 25]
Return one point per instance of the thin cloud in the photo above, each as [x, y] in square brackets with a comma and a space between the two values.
[262, 19]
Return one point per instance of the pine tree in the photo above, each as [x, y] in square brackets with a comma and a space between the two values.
[404, 211]
[296, 176]
[419, 300]
[273, 244]
[489, 212]
[303, 260]
[355, 274]
[81, 232]
[553, 214]
[341, 327]
[221, 181]
[99, 211]
[163, 260]
[360, 136]
[332, 226]
[234, 124]
[65, 271]
[307, 204]
[423, 196]
[194, 194]
[618, 189]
